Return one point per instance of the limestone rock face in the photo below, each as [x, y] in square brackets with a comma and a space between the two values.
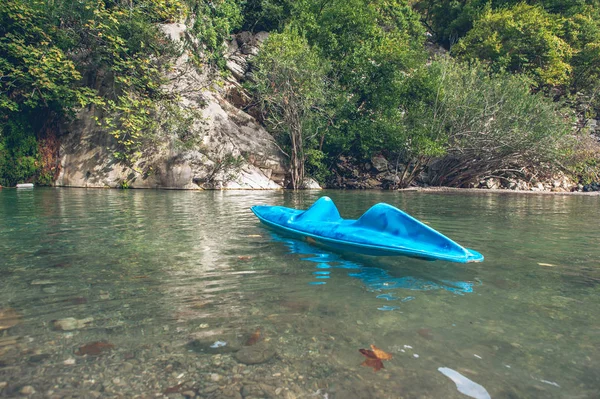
[233, 150]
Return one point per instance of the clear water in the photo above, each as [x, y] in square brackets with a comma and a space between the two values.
[166, 274]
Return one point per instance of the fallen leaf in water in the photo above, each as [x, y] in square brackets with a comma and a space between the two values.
[244, 257]
[374, 357]
[380, 354]
[94, 348]
[254, 338]
[546, 264]
[174, 389]
[425, 333]
[9, 318]
[371, 360]
[377, 364]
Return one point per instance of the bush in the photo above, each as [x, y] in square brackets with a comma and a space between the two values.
[524, 39]
[480, 122]
[19, 160]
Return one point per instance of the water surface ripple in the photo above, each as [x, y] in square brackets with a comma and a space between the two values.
[177, 285]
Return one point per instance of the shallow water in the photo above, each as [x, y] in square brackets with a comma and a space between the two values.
[176, 282]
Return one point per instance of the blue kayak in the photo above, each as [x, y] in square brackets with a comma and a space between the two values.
[383, 230]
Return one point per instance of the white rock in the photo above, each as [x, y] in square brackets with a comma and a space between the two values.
[311, 184]
[70, 323]
[27, 390]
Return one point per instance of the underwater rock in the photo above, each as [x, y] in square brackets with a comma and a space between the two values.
[425, 333]
[38, 358]
[70, 323]
[256, 354]
[9, 318]
[27, 390]
[94, 348]
[42, 282]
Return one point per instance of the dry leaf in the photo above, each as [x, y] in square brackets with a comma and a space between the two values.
[546, 264]
[374, 357]
[372, 360]
[244, 257]
[254, 338]
[9, 318]
[380, 354]
[94, 348]
[377, 364]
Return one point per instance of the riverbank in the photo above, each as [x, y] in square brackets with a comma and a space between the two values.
[496, 191]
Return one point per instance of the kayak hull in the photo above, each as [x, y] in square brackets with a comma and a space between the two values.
[382, 231]
[343, 246]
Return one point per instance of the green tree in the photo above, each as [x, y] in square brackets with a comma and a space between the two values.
[522, 39]
[291, 85]
[370, 45]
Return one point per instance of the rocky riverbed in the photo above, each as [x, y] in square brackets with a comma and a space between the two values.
[91, 362]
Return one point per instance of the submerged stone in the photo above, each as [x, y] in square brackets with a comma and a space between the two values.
[71, 323]
[256, 354]
[211, 347]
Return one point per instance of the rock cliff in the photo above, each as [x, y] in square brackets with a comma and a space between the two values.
[233, 150]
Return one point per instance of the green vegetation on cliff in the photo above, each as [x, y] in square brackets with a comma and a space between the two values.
[349, 78]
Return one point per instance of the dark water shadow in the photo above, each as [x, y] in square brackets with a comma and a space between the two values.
[377, 275]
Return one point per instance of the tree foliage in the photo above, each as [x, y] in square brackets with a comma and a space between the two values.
[291, 84]
[523, 39]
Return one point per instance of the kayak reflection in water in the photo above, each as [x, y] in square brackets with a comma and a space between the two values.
[375, 279]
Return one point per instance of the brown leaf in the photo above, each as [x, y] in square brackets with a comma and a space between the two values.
[377, 364]
[368, 353]
[94, 348]
[254, 338]
[381, 354]
[8, 318]
[374, 357]
[244, 257]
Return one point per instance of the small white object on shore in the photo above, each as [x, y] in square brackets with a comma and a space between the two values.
[25, 185]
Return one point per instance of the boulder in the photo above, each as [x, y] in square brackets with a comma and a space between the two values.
[255, 354]
[379, 163]
[311, 184]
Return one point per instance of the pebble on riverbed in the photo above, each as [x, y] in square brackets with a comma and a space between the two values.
[70, 323]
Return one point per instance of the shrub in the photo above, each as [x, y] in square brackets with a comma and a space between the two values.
[524, 39]
[483, 122]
